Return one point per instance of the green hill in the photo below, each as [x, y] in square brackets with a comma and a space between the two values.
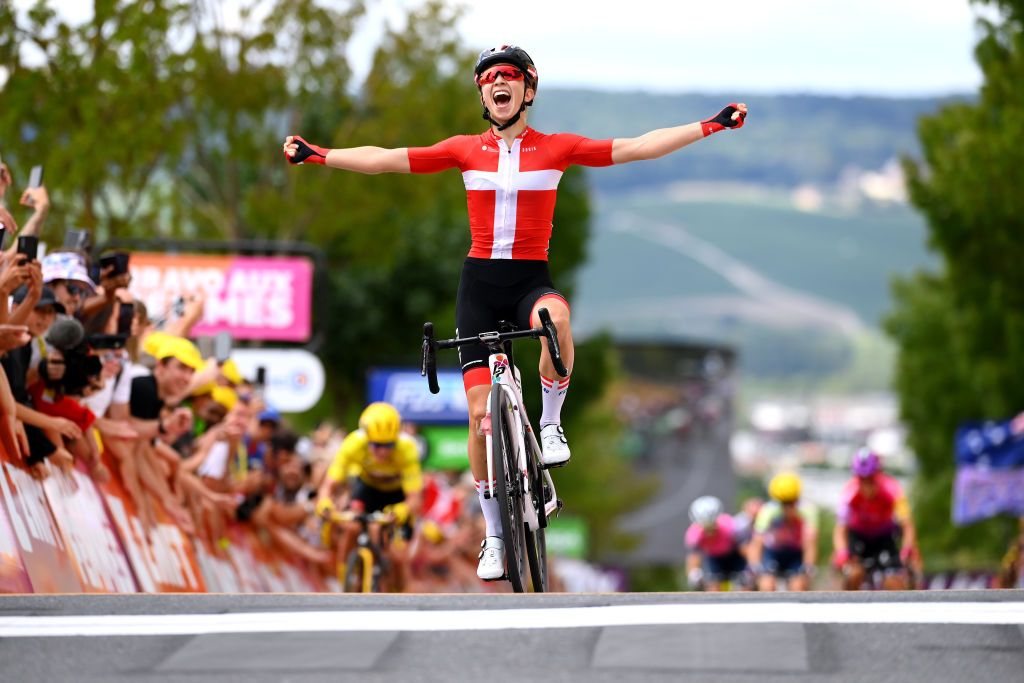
[788, 139]
[636, 283]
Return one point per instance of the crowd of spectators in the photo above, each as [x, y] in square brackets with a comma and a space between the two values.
[88, 376]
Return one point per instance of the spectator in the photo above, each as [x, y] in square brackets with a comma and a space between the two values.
[66, 274]
[36, 197]
[257, 441]
[39, 320]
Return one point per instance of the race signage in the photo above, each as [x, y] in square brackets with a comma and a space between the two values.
[44, 552]
[295, 378]
[78, 510]
[265, 298]
[447, 447]
[409, 392]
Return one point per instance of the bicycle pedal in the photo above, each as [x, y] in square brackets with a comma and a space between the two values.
[554, 465]
[503, 577]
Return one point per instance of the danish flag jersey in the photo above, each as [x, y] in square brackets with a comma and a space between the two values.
[510, 192]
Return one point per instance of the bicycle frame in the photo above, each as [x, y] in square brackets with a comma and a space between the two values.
[505, 377]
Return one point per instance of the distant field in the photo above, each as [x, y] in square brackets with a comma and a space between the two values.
[848, 259]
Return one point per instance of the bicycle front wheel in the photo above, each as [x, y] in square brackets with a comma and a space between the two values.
[508, 489]
[536, 546]
[359, 576]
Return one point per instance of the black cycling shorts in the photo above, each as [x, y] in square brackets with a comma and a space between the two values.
[373, 499]
[876, 551]
[492, 290]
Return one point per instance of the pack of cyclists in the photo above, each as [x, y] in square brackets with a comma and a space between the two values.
[874, 539]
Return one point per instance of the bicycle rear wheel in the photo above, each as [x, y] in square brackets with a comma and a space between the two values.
[508, 489]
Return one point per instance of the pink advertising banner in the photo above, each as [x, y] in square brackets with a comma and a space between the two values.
[265, 298]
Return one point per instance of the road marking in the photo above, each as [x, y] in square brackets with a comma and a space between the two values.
[473, 620]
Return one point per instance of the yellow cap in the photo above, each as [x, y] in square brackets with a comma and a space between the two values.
[432, 532]
[229, 369]
[225, 396]
[151, 344]
[204, 389]
[180, 349]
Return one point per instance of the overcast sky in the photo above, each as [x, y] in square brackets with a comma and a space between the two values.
[887, 47]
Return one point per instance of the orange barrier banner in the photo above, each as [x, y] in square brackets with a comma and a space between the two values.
[219, 573]
[44, 552]
[13, 575]
[68, 534]
[93, 541]
[162, 557]
[274, 572]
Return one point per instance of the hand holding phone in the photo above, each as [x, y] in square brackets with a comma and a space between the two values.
[28, 246]
[35, 177]
[124, 319]
[35, 180]
[77, 239]
[222, 346]
[117, 262]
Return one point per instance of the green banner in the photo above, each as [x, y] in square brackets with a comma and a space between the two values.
[567, 537]
[447, 448]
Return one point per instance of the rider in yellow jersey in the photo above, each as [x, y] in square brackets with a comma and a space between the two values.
[376, 467]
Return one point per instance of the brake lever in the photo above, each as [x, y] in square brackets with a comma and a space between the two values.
[552, 336]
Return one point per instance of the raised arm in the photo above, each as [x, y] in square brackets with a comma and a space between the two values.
[369, 160]
[662, 141]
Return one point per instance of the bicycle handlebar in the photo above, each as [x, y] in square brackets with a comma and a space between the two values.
[491, 340]
[379, 517]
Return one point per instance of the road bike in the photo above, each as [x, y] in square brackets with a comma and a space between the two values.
[367, 567]
[524, 488]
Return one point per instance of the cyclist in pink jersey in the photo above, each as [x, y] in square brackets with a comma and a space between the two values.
[511, 174]
[874, 528]
[715, 546]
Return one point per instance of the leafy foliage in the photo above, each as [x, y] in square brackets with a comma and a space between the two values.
[961, 330]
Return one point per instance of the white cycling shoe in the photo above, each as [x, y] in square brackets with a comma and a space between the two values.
[492, 559]
[554, 448]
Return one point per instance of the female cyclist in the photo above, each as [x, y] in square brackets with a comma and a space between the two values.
[511, 174]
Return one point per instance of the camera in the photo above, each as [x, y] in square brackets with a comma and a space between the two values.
[118, 261]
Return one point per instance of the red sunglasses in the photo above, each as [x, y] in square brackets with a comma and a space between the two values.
[509, 73]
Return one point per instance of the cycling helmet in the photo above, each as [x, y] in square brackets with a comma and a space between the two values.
[785, 487]
[381, 422]
[517, 57]
[705, 510]
[866, 463]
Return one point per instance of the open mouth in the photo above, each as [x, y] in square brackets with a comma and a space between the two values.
[502, 97]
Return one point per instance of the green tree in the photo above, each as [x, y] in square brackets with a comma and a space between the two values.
[100, 111]
[960, 331]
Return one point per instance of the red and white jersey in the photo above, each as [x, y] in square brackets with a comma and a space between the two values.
[510, 192]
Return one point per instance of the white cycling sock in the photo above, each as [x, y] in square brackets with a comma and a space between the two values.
[489, 506]
[553, 393]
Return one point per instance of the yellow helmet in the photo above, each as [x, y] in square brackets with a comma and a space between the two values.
[381, 422]
[785, 487]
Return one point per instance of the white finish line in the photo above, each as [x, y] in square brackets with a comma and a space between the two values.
[498, 619]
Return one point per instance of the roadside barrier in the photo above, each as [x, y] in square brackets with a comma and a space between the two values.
[69, 534]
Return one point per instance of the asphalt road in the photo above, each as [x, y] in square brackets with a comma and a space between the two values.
[969, 636]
